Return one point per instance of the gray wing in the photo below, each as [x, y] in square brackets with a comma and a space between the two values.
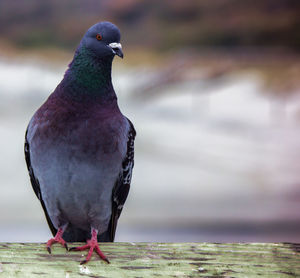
[122, 186]
[35, 183]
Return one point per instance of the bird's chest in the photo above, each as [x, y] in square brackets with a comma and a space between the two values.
[81, 135]
[79, 147]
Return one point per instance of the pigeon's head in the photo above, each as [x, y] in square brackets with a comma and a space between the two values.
[103, 39]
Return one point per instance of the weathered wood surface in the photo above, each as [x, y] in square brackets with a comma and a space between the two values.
[153, 260]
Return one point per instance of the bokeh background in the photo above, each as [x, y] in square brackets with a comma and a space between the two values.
[213, 88]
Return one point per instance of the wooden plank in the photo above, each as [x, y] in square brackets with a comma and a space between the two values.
[154, 260]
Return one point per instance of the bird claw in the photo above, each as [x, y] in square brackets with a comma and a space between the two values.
[81, 248]
[83, 262]
[92, 245]
[106, 260]
[56, 239]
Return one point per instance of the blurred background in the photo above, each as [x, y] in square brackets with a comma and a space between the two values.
[213, 88]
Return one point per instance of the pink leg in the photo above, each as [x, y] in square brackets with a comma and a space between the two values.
[58, 238]
[92, 245]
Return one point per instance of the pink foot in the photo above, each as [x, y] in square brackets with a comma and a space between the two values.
[92, 244]
[58, 238]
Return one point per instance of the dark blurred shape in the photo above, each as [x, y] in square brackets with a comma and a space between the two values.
[161, 24]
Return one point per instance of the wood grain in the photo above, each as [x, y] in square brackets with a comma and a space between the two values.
[154, 260]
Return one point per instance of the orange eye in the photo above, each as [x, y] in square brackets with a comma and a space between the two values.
[98, 37]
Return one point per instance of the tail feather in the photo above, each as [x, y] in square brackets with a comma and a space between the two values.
[73, 234]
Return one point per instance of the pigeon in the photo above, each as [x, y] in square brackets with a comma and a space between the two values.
[79, 147]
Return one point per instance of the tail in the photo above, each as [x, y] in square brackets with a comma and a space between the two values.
[73, 234]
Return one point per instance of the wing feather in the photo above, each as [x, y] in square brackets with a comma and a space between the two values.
[122, 185]
[35, 183]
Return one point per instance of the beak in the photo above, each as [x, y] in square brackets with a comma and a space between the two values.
[117, 49]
